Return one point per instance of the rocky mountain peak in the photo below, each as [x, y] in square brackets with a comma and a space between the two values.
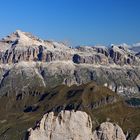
[19, 33]
[22, 38]
[22, 35]
[120, 49]
[73, 125]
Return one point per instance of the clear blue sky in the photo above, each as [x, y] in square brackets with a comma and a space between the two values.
[76, 21]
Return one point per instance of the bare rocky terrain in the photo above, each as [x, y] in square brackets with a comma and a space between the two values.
[24, 57]
[73, 125]
[100, 83]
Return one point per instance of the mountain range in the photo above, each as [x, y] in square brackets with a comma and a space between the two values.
[40, 76]
[29, 57]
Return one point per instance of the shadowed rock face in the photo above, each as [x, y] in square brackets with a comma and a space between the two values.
[73, 125]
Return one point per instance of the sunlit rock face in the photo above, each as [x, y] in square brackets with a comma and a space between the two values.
[54, 63]
[67, 125]
[109, 131]
[22, 46]
[70, 125]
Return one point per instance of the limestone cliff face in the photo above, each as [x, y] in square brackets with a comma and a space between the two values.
[123, 80]
[27, 57]
[66, 126]
[122, 56]
[109, 131]
[21, 46]
[70, 125]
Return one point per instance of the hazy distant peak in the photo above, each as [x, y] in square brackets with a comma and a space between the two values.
[136, 44]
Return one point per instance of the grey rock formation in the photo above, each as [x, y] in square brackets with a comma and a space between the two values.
[123, 80]
[21, 46]
[70, 125]
[66, 126]
[24, 58]
[109, 131]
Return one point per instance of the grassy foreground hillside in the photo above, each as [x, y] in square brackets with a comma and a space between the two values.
[20, 112]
